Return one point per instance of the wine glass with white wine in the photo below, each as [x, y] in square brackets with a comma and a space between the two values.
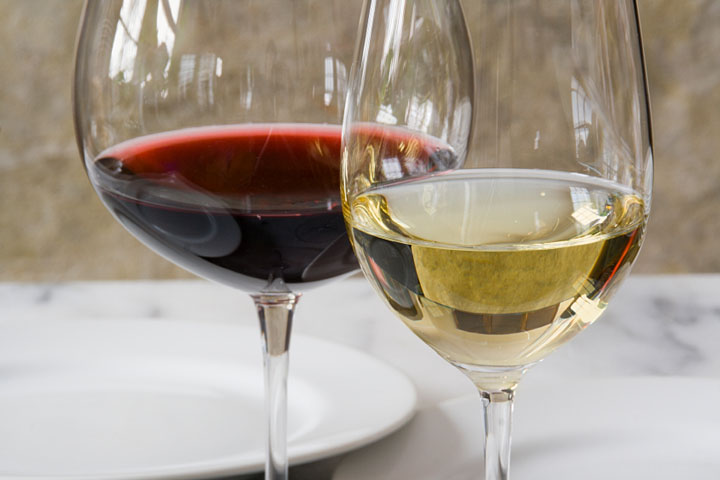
[497, 176]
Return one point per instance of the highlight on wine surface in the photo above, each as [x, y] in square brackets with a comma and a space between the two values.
[496, 177]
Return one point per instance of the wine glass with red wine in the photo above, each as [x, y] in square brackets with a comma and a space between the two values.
[211, 131]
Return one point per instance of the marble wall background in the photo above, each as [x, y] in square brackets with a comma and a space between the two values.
[53, 227]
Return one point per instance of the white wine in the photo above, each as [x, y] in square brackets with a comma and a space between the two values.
[497, 267]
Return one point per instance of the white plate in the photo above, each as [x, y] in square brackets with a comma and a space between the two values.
[624, 429]
[162, 399]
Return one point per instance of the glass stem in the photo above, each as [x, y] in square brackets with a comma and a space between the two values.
[275, 312]
[497, 408]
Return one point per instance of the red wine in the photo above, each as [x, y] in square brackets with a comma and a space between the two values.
[242, 205]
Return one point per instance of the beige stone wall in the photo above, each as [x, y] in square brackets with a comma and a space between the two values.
[53, 227]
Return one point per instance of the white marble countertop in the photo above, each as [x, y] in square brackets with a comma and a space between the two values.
[657, 326]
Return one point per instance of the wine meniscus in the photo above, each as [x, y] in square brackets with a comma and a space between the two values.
[497, 267]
